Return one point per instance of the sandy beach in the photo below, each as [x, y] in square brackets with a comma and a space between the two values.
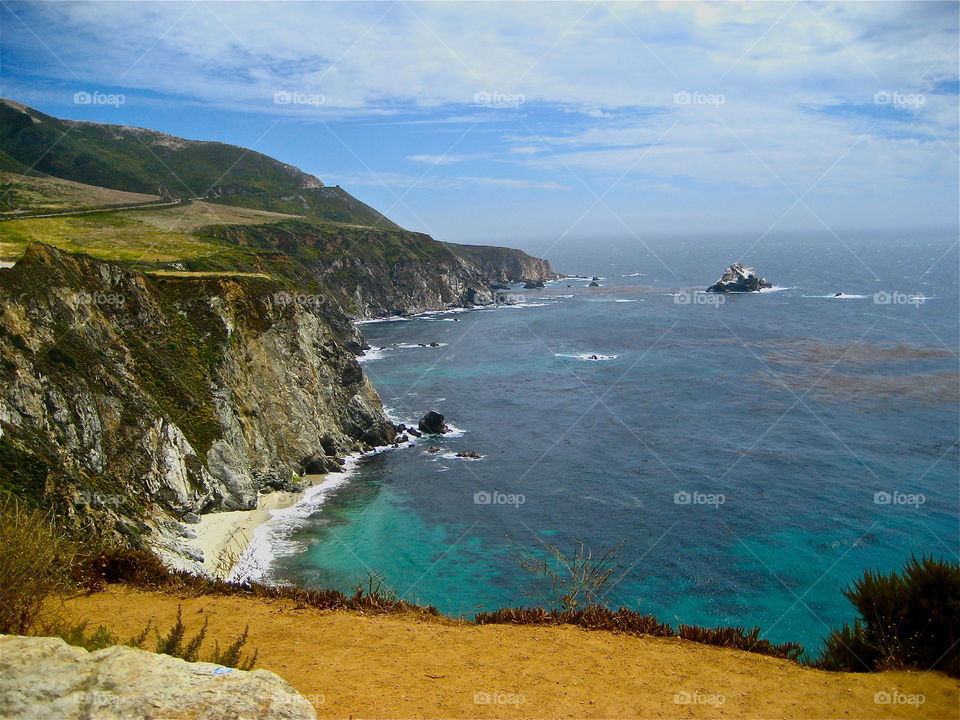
[224, 536]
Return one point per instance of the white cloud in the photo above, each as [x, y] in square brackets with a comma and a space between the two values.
[797, 81]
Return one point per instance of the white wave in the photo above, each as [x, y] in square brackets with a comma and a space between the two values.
[621, 300]
[454, 456]
[636, 274]
[419, 346]
[390, 318]
[775, 288]
[271, 539]
[372, 354]
[587, 357]
[842, 296]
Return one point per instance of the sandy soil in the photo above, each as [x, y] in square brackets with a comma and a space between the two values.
[354, 666]
[224, 536]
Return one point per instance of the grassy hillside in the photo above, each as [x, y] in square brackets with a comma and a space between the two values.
[145, 161]
[146, 235]
[20, 194]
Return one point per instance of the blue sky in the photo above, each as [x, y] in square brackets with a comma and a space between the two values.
[514, 122]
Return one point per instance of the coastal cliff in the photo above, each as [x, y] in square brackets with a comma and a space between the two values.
[376, 272]
[129, 401]
[203, 351]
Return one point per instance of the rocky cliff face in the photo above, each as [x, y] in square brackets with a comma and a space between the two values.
[504, 265]
[374, 272]
[137, 399]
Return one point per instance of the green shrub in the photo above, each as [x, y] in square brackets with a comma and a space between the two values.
[35, 564]
[174, 642]
[909, 619]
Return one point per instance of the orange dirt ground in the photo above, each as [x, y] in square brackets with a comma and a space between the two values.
[388, 666]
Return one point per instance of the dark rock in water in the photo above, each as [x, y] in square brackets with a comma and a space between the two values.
[433, 450]
[403, 439]
[470, 454]
[594, 284]
[432, 424]
[434, 344]
[400, 428]
[191, 518]
[499, 286]
[415, 433]
[738, 278]
[533, 285]
[595, 278]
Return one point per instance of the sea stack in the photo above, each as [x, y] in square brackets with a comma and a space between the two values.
[738, 278]
[432, 424]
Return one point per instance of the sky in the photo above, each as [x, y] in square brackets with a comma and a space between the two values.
[514, 122]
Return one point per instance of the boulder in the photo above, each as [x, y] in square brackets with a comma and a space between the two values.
[320, 465]
[432, 424]
[415, 433]
[533, 285]
[738, 278]
[43, 678]
[594, 284]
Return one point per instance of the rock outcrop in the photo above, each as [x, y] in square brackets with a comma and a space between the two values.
[43, 678]
[127, 401]
[738, 278]
[432, 424]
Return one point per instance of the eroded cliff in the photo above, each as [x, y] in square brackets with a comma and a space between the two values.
[128, 400]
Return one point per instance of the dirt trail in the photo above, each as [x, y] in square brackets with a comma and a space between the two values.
[354, 666]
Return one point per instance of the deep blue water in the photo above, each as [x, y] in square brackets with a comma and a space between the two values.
[796, 409]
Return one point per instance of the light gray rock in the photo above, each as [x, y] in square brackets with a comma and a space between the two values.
[46, 679]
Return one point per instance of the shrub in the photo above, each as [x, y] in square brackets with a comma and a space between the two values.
[35, 564]
[598, 617]
[573, 579]
[909, 619]
[174, 642]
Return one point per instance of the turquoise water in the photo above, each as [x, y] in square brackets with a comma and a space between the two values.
[793, 406]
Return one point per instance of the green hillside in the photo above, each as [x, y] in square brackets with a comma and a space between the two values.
[145, 161]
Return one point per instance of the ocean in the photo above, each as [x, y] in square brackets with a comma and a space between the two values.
[749, 455]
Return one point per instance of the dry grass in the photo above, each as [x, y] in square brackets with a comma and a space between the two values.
[35, 565]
